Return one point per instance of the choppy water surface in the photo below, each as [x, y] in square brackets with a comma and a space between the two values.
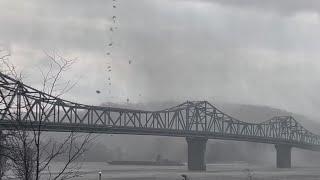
[235, 171]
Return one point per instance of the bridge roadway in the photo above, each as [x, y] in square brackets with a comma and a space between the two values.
[24, 107]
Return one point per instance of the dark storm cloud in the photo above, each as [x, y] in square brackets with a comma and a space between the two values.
[48, 24]
[180, 49]
[284, 7]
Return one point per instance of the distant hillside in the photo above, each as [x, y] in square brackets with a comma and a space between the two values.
[253, 113]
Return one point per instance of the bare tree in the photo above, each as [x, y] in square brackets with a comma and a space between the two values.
[20, 152]
[2, 158]
[4, 56]
[6, 66]
[28, 153]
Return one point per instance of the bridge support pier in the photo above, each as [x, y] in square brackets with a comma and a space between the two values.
[196, 153]
[283, 156]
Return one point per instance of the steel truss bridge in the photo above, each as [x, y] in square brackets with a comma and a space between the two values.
[24, 106]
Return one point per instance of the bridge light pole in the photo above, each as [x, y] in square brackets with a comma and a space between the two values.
[283, 155]
[100, 173]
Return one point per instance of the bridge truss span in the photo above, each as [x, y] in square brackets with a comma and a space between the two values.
[24, 106]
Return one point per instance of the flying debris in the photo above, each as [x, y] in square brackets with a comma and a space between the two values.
[130, 61]
[185, 177]
[114, 19]
[98, 92]
[111, 43]
[128, 100]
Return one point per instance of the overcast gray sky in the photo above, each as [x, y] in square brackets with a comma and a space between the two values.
[253, 52]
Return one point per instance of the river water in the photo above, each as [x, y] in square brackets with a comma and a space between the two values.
[233, 171]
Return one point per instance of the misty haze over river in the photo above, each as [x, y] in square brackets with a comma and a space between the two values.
[226, 160]
[136, 80]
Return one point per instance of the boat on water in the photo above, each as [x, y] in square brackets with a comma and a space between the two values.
[158, 162]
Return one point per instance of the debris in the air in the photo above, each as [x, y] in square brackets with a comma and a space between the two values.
[130, 61]
[185, 177]
[110, 45]
[128, 100]
[98, 92]
[114, 19]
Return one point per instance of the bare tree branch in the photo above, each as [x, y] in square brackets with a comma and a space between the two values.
[29, 155]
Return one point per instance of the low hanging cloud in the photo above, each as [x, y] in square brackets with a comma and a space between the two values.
[178, 49]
